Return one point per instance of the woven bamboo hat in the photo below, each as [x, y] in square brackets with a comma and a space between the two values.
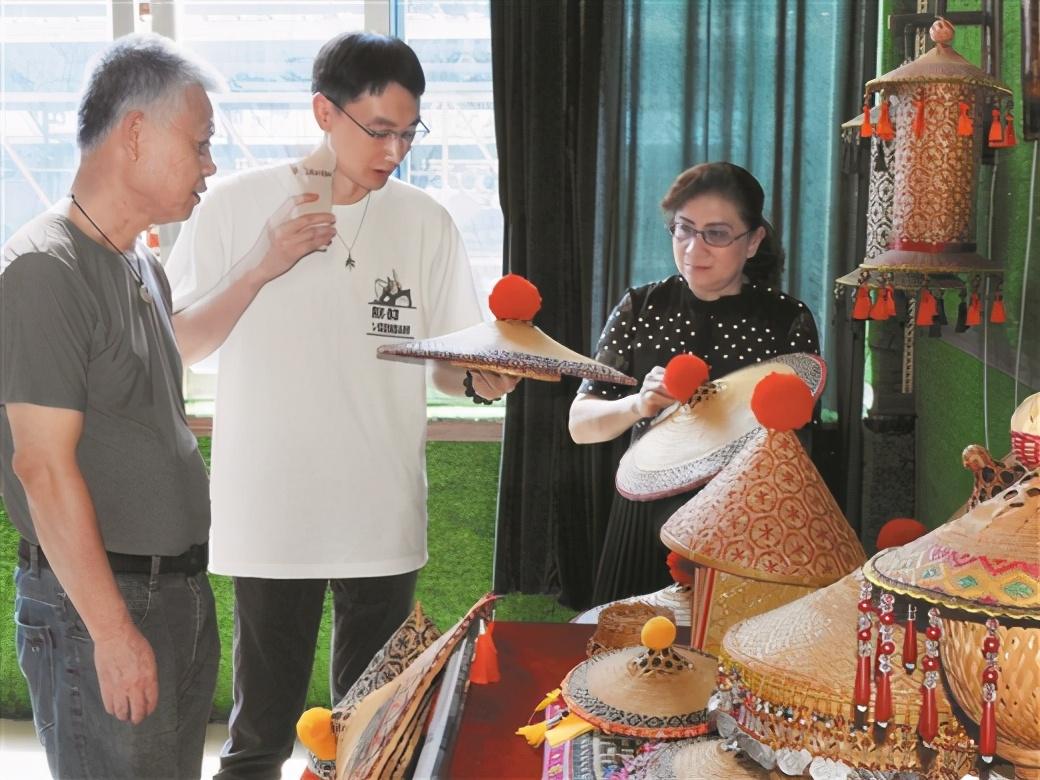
[655, 691]
[701, 759]
[768, 516]
[987, 561]
[787, 678]
[512, 344]
[621, 625]
[690, 443]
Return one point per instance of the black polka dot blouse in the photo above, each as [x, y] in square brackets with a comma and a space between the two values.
[654, 323]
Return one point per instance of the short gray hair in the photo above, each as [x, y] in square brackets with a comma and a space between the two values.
[136, 71]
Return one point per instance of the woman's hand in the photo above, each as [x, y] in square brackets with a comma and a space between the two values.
[652, 396]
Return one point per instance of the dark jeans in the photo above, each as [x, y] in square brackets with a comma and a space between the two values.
[276, 632]
[176, 615]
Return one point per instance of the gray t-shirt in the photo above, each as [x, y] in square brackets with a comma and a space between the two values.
[75, 333]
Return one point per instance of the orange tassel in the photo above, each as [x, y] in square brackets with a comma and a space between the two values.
[926, 308]
[990, 676]
[866, 130]
[918, 126]
[974, 311]
[997, 314]
[879, 311]
[890, 300]
[1009, 132]
[861, 310]
[964, 121]
[884, 129]
[484, 669]
[996, 130]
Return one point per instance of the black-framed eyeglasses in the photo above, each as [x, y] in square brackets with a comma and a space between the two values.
[718, 237]
[407, 137]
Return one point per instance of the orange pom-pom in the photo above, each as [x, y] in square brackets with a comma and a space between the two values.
[683, 375]
[314, 728]
[514, 298]
[782, 402]
[899, 531]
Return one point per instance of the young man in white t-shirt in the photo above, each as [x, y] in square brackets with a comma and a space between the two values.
[318, 460]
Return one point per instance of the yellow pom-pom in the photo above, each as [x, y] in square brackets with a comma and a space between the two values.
[314, 728]
[658, 633]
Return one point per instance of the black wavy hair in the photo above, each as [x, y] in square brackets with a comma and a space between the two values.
[357, 63]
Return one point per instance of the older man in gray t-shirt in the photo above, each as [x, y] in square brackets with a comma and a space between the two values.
[115, 620]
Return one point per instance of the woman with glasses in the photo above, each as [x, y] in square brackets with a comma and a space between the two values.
[723, 305]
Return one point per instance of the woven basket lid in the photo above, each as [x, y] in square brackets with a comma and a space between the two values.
[804, 654]
[701, 759]
[900, 280]
[939, 64]
[933, 262]
[513, 347]
[768, 516]
[639, 692]
[690, 443]
[621, 623]
[986, 561]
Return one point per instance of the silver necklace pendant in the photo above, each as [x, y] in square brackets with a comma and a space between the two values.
[351, 262]
[145, 295]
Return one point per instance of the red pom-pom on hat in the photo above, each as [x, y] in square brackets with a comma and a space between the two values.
[782, 402]
[514, 298]
[680, 569]
[899, 531]
[683, 375]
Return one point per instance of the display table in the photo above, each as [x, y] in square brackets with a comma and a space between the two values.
[533, 659]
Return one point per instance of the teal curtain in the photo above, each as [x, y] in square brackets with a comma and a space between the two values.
[757, 82]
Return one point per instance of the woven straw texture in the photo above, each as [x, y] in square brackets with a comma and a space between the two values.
[702, 759]
[687, 447]
[986, 561]
[621, 624]
[1018, 687]
[768, 516]
[620, 693]
[509, 347]
[938, 64]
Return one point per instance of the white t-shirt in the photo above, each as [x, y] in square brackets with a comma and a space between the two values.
[318, 459]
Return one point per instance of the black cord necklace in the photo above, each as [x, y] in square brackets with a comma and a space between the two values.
[134, 272]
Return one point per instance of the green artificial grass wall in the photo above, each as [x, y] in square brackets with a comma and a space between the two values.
[463, 485]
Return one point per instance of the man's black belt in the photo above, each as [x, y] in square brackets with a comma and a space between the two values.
[190, 562]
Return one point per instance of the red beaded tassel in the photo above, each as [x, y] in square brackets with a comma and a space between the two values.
[1009, 132]
[988, 723]
[964, 121]
[910, 640]
[861, 309]
[918, 124]
[883, 699]
[928, 724]
[890, 300]
[866, 130]
[884, 129]
[926, 308]
[996, 130]
[863, 670]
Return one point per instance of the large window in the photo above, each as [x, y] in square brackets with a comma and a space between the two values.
[264, 50]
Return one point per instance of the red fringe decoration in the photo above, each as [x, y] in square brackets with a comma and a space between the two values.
[918, 124]
[974, 311]
[926, 308]
[484, 668]
[883, 701]
[683, 375]
[514, 298]
[990, 675]
[862, 692]
[1009, 132]
[884, 129]
[964, 121]
[890, 300]
[987, 732]
[928, 725]
[997, 315]
[879, 311]
[996, 130]
[782, 402]
[865, 130]
[861, 309]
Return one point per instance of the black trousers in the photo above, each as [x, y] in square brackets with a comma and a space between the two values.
[276, 632]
